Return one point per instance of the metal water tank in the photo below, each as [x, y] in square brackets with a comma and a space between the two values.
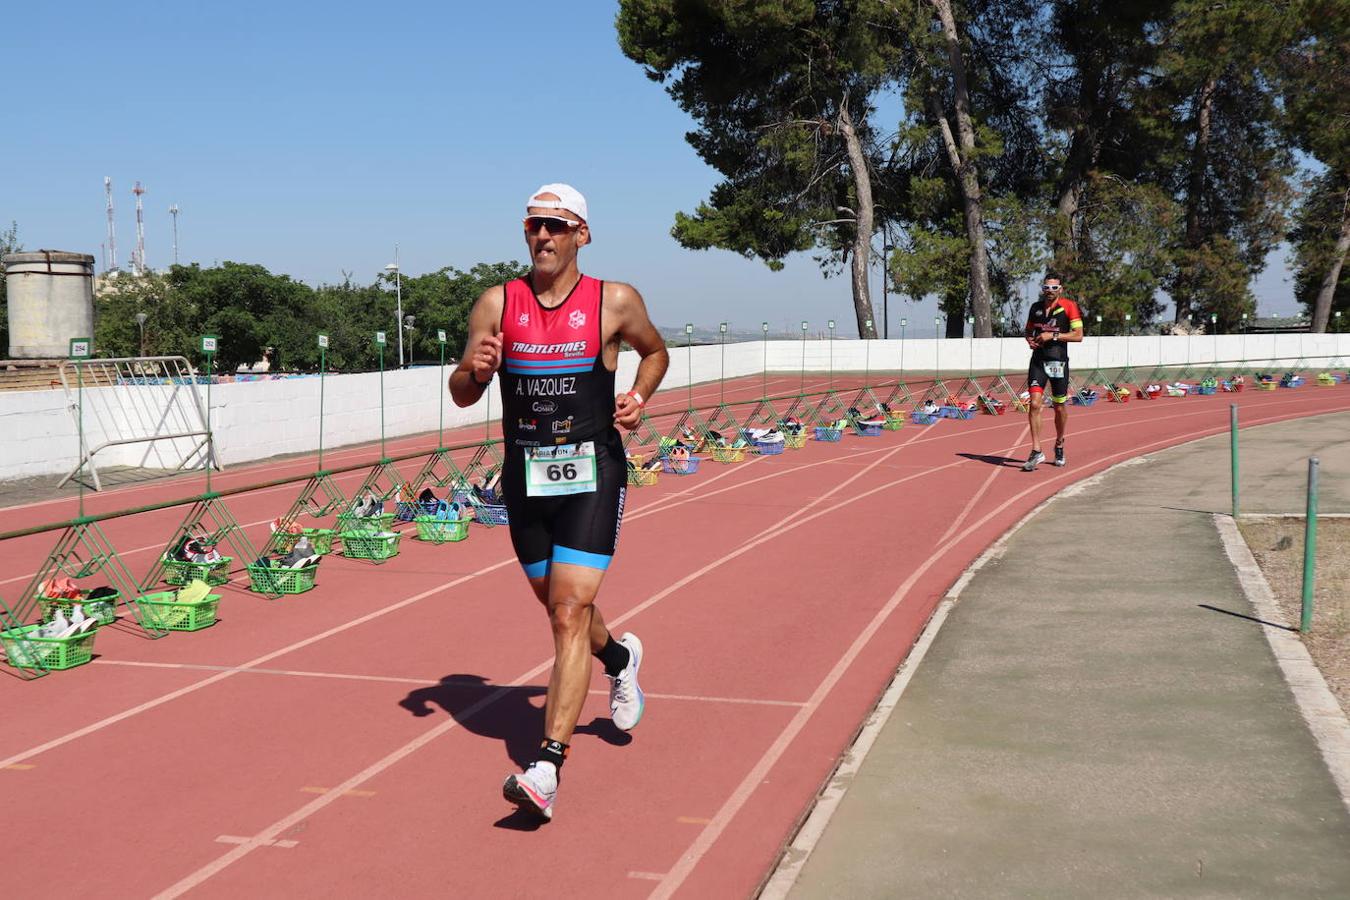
[50, 295]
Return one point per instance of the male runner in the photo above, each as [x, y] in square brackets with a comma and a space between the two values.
[1052, 322]
[555, 334]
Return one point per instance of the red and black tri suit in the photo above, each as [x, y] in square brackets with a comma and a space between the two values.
[556, 390]
[1050, 362]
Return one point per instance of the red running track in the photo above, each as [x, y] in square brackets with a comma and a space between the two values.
[352, 741]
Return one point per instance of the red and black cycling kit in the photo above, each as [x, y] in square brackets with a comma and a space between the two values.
[1050, 361]
[557, 391]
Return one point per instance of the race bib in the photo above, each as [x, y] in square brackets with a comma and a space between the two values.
[555, 471]
[1054, 369]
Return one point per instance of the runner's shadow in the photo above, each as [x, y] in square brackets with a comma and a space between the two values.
[513, 715]
[1000, 461]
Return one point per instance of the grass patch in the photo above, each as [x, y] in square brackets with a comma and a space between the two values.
[1277, 544]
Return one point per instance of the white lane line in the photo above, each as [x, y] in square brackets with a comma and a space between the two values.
[233, 839]
[337, 629]
[984, 488]
[393, 758]
[784, 876]
[1326, 720]
[737, 800]
[421, 682]
[400, 753]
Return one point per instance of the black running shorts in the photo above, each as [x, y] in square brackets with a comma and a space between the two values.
[581, 529]
[1051, 373]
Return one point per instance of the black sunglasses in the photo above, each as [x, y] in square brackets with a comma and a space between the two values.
[554, 224]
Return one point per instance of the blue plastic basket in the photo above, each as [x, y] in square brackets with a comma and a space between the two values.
[1079, 400]
[489, 515]
[680, 466]
[770, 449]
[832, 435]
[869, 430]
[919, 417]
[409, 510]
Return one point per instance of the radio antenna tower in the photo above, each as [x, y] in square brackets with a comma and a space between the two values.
[173, 211]
[112, 229]
[139, 265]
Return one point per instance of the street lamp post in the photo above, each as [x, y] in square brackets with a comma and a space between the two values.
[140, 323]
[408, 321]
[398, 309]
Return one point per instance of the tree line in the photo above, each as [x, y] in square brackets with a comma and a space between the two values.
[258, 315]
[1133, 149]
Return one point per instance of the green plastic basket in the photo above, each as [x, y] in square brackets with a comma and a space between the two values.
[163, 611]
[104, 609]
[350, 523]
[370, 546]
[267, 580]
[321, 538]
[35, 653]
[441, 531]
[179, 572]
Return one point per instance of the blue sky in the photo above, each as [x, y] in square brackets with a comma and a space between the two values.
[313, 137]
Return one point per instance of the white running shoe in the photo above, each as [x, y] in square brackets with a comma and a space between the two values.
[534, 790]
[625, 697]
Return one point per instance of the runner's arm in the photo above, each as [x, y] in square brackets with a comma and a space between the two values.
[482, 350]
[635, 328]
[1075, 332]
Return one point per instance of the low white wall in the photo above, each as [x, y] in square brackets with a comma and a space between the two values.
[255, 420]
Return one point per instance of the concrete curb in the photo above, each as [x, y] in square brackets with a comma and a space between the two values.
[1326, 720]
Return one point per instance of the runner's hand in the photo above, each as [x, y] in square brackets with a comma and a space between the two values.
[627, 412]
[486, 358]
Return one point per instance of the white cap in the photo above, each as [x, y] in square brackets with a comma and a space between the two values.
[569, 198]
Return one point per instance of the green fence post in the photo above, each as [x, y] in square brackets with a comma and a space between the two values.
[379, 342]
[209, 344]
[689, 363]
[80, 350]
[801, 387]
[323, 367]
[867, 356]
[722, 380]
[1309, 549]
[1233, 453]
[440, 431]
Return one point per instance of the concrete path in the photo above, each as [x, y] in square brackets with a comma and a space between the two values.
[1100, 715]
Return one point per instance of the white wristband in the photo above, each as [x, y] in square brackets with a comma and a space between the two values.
[638, 397]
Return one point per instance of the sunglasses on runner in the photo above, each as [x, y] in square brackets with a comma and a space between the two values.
[553, 224]
[1052, 288]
